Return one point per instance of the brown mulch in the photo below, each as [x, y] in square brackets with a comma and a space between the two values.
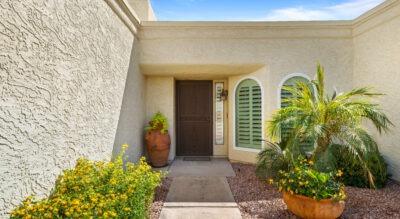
[159, 197]
[258, 199]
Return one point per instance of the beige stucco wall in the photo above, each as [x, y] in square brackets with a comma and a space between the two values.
[160, 96]
[266, 51]
[63, 67]
[376, 63]
[133, 110]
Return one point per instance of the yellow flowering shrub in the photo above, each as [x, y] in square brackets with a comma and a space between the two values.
[97, 190]
[302, 179]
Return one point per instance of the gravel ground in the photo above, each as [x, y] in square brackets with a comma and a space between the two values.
[257, 199]
[159, 197]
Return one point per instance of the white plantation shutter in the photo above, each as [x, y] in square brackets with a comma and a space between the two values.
[292, 83]
[248, 115]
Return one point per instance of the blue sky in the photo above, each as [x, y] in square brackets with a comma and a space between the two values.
[260, 10]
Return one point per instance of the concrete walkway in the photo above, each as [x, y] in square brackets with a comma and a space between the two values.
[199, 189]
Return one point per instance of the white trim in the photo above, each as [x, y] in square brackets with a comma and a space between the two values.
[262, 115]
[287, 77]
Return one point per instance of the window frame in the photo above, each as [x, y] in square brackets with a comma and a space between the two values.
[288, 77]
[235, 145]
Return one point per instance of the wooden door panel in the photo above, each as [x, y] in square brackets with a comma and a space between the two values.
[194, 118]
[194, 139]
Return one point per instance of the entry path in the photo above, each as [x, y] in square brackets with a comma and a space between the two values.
[199, 189]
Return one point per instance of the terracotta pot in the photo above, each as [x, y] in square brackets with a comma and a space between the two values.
[158, 146]
[306, 207]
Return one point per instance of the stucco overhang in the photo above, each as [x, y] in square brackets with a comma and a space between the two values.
[199, 71]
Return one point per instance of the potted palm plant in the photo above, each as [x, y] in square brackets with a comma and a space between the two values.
[158, 140]
[329, 121]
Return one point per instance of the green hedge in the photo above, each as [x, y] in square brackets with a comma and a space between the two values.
[354, 174]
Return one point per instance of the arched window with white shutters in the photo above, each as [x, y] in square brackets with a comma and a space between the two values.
[248, 115]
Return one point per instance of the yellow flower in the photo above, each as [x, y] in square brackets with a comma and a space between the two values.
[301, 183]
[313, 191]
[314, 197]
[280, 188]
[311, 162]
[21, 212]
[271, 181]
[307, 182]
[67, 213]
[113, 214]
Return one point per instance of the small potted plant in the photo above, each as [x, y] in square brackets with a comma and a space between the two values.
[309, 193]
[158, 140]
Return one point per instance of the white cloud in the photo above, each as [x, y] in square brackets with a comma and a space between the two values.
[354, 8]
[343, 11]
[299, 13]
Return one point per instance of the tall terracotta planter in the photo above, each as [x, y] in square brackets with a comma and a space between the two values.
[306, 207]
[158, 146]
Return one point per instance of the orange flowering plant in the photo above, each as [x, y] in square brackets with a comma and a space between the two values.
[302, 179]
[97, 190]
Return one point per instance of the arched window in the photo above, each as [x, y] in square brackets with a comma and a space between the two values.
[307, 145]
[292, 82]
[248, 115]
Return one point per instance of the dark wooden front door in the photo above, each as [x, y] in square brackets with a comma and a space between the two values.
[194, 118]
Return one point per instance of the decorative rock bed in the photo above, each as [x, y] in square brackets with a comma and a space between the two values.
[257, 199]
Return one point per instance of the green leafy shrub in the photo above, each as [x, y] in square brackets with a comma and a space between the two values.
[354, 173]
[270, 160]
[304, 180]
[159, 121]
[97, 190]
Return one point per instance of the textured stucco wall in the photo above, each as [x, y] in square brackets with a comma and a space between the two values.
[143, 9]
[234, 51]
[63, 66]
[376, 64]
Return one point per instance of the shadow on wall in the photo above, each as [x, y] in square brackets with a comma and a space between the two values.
[131, 122]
